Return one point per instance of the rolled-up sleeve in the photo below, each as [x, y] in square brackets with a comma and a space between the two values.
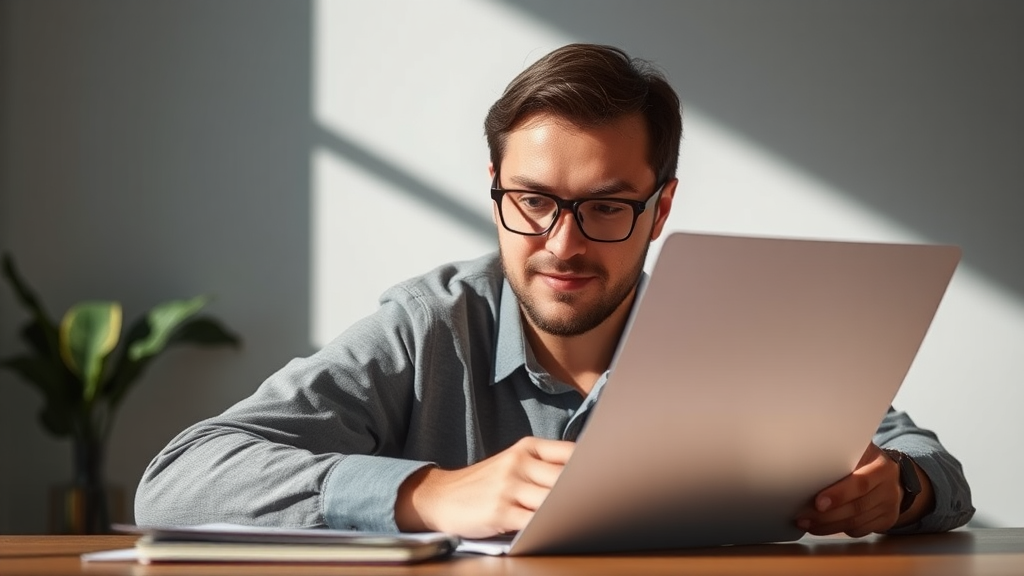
[370, 507]
[953, 507]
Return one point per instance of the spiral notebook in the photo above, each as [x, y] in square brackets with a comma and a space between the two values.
[222, 543]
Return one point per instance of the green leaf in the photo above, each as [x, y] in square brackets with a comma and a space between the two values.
[47, 327]
[163, 319]
[88, 333]
[201, 331]
[126, 371]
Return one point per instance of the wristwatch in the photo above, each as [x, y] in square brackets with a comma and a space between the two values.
[908, 478]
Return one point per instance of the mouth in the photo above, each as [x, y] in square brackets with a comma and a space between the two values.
[565, 282]
[564, 276]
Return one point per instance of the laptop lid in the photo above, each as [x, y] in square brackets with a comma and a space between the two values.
[753, 373]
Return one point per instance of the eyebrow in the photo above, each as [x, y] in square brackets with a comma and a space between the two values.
[606, 189]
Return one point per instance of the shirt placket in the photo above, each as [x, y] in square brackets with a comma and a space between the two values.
[576, 423]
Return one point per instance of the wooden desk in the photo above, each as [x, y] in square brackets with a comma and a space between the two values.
[961, 553]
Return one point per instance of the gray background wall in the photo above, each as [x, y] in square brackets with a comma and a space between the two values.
[258, 151]
[153, 150]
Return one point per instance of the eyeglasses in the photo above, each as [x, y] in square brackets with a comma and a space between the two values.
[600, 219]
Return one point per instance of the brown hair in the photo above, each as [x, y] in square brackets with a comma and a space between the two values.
[590, 85]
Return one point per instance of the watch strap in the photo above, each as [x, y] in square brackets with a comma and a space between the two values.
[909, 480]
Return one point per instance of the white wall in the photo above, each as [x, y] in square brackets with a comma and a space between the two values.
[295, 159]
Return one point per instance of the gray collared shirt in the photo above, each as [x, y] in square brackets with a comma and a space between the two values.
[440, 374]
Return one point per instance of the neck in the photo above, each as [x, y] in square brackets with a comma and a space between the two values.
[580, 360]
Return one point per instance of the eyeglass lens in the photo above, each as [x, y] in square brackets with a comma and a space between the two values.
[530, 213]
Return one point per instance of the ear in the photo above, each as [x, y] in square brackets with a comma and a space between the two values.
[668, 193]
[490, 170]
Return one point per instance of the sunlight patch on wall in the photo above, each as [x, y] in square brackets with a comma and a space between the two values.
[408, 84]
[369, 237]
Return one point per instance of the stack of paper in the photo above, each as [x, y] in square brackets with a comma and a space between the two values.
[236, 543]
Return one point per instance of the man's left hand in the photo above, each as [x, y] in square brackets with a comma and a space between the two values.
[866, 501]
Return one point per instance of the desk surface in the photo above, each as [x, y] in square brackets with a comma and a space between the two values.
[962, 553]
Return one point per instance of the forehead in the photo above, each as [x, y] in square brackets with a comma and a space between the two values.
[564, 154]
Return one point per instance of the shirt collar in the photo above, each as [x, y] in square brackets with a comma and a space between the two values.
[510, 351]
[513, 352]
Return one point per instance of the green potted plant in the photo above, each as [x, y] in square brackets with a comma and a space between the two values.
[84, 369]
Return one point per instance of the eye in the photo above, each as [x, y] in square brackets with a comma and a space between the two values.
[534, 202]
[605, 209]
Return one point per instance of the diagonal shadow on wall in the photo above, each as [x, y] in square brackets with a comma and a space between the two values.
[404, 182]
[910, 108]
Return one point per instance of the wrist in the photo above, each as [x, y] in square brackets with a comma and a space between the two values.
[409, 515]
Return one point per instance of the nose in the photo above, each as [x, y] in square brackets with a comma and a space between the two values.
[565, 239]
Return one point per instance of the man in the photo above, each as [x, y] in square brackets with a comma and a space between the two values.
[454, 407]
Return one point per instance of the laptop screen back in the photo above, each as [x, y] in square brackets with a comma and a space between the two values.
[753, 373]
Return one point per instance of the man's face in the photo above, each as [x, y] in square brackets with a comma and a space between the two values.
[566, 284]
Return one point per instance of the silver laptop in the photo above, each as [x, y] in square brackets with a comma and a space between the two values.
[754, 373]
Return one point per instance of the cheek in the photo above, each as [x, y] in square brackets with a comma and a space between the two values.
[628, 253]
[516, 250]
[511, 247]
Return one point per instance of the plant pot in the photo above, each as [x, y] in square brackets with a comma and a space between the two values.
[87, 505]
[85, 510]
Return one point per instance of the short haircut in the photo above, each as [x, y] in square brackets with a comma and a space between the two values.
[592, 85]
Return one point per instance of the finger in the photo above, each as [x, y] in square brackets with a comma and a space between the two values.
[879, 498]
[515, 519]
[541, 473]
[874, 521]
[553, 451]
[530, 496]
[870, 453]
[861, 481]
[834, 524]
[883, 503]
[877, 524]
[884, 497]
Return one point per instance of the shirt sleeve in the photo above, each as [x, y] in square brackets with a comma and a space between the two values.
[319, 444]
[953, 506]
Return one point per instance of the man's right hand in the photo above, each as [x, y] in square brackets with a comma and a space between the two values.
[495, 496]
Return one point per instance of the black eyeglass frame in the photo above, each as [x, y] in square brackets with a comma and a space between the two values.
[638, 206]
